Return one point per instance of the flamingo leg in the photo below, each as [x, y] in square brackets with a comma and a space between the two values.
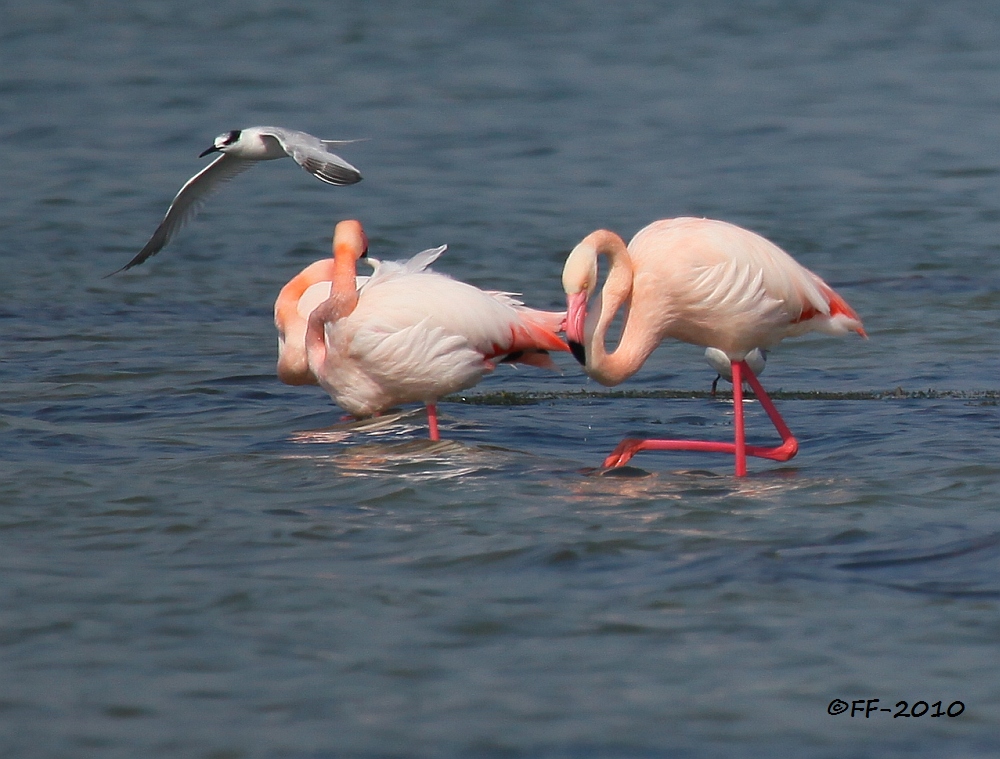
[628, 447]
[789, 446]
[738, 426]
[432, 421]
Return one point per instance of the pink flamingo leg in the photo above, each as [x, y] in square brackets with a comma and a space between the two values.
[740, 430]
[432, 421]
[789, 445]
[628, 447]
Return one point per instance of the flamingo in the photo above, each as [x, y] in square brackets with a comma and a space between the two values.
[704, 282]
[410, 334]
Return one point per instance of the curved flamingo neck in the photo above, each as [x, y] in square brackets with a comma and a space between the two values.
[342, 301]
[345, 287]
[634, 346]
[293, 363]
[287, 305]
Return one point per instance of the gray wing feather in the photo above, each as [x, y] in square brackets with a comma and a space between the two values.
[331, 169]
[312, 155]
[188, 202]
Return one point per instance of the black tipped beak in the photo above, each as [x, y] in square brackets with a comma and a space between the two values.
[579, 352]
[212, 149]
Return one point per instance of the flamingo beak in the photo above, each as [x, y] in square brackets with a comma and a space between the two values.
[576, 318]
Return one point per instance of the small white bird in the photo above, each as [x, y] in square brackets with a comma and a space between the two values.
[240, 149]
[718, 360]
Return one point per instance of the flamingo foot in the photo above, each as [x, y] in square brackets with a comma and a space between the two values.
[623, 452]
[628, 447]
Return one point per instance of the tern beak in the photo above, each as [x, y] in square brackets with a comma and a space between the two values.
[212, 149]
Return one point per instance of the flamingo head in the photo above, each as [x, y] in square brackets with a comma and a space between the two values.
[350, 241]
[579, 280]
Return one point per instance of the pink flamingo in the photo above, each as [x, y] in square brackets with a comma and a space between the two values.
[410, 334]
[705, 282]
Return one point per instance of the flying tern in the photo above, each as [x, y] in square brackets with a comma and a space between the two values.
[240, 149]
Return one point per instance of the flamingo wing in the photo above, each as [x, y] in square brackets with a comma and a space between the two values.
[387, 270]
[371, 365]
[421, 361]
[725, 281]
[492, 323]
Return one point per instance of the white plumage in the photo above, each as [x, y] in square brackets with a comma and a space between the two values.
[416, 335]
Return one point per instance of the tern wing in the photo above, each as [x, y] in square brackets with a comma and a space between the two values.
[189, 201]
[312, 155]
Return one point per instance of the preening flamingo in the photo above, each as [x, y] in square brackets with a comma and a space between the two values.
[410, 334]
[704, 282]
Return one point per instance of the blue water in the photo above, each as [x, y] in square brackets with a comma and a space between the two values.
[198, 561]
